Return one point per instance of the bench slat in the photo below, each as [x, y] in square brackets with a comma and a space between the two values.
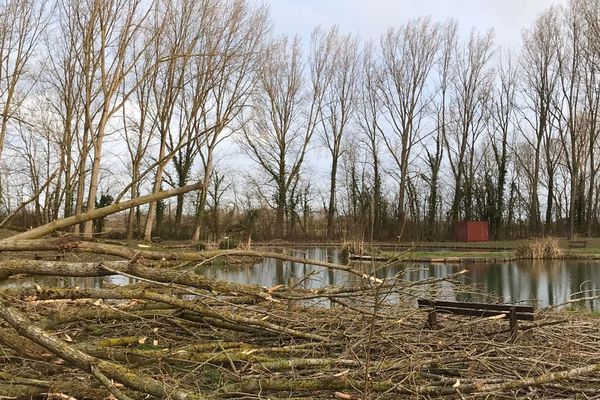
[482, 313]
[476, 306]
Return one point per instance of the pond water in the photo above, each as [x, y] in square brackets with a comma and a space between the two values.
[540, 282]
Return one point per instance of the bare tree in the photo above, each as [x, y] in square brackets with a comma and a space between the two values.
[237, 45]
[339, 81]
[219, 185]
[408, 56]
[64, 85]
[569, 108]
[369, 118]
[174, 49]
[21, 25]
[283, 118]
[137, 133]
[502, 121]
[435, 153]
[106, 31]
[539, 82]
[470, 95]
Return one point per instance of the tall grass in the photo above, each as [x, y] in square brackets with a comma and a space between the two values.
[358, 247]
[540, 249]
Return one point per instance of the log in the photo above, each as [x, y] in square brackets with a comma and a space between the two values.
[106, 268]
[122, 293]
[86, 362]
[62, 223]
[14, 243]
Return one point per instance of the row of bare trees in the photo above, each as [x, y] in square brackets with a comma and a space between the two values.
[335, 137]
[92, 86]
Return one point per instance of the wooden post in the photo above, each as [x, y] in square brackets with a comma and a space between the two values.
[432, 320]
[514, 324]
[290, 285]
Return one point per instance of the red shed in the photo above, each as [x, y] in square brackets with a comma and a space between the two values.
[472, 231]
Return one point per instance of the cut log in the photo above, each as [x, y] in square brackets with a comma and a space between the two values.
[86, 362]
[122, 293]
[62, 223]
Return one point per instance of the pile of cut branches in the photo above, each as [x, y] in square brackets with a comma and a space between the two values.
[174, 334]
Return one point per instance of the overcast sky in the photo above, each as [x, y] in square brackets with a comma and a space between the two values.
[370, 18]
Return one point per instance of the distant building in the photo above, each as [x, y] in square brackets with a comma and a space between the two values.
[472, 231]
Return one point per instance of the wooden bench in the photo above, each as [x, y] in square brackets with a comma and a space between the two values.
[511, 312]
[577, 243]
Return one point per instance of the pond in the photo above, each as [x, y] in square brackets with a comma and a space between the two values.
[540, 282]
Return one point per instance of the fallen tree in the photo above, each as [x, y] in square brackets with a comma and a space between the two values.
[62, 223]
[71, 244]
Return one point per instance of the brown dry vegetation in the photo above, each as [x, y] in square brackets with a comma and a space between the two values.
[547, 248]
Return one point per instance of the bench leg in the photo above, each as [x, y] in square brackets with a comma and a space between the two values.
[514, 324]
[432, 321]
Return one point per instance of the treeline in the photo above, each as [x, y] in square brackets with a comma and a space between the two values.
[104, 100]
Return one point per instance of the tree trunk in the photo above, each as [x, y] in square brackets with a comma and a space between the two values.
[199, 215]
[279, 218]
[156, 188]
[101, 212]
[95, 177]
[331, 207]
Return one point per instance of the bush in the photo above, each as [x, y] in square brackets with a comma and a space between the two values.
[230, 243]
[540, 249]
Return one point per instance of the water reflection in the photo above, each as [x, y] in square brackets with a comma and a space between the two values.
[541, 282]
[271, 272]
[535, 282]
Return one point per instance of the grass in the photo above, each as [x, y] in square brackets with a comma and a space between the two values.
[425, 255]
[500, 249]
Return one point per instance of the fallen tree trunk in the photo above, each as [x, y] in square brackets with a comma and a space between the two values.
[88, 363]
[62, 223]
[106, 268]
[122, 293]
[15, 243]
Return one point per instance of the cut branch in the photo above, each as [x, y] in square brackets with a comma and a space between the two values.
[86, 362]
[145, 294]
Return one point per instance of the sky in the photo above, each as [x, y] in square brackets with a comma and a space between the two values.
[370, 18]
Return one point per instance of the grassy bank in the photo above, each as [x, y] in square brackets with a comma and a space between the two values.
[492, 251]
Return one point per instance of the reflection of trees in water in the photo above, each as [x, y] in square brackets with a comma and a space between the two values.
[548, 282]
